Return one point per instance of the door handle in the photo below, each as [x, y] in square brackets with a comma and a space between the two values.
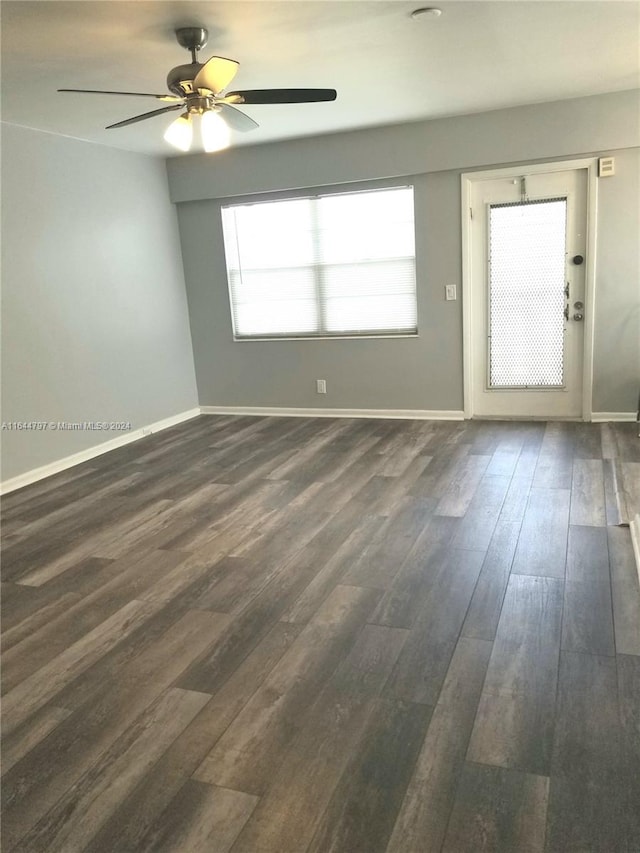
[578, 317]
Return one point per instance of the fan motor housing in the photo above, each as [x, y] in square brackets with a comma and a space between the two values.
[197, 104]
[180, 79]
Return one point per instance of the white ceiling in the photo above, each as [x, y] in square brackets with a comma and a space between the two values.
[386, 67]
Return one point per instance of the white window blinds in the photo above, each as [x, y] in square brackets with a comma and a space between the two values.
[327, 265]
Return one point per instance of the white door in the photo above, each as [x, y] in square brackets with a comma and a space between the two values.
[528, 259]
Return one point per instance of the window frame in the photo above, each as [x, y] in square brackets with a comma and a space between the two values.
[324, 192]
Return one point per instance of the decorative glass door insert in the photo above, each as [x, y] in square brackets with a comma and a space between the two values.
[527, 281]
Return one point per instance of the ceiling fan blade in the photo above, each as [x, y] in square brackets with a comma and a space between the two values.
[282, 96]
[145, 116]
[216, 74]
[236, 119]
[136, 94]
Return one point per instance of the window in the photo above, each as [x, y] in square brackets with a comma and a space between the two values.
[321, 266]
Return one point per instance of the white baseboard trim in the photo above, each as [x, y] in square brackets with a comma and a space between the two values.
[283, 412]
[603, 417]
[91, 452]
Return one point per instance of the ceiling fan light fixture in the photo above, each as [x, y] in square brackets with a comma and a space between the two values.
[198, 90]
[180, 133]
[214, 131]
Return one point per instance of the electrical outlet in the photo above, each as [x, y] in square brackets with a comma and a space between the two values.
[321, 386]
[450, 292]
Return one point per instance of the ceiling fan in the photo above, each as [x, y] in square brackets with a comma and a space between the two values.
[198, 90]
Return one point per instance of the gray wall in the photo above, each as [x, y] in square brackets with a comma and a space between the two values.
[422, 373]
[616, 378]
[95, 323]
[388, 373]
[535, 132]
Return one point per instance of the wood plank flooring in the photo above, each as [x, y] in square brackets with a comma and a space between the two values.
[284, 635]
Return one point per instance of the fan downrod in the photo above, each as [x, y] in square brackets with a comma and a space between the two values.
[192, 38]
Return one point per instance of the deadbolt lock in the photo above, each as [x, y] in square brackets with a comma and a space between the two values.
[578, 306]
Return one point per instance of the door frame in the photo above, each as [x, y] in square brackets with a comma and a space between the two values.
[467, 181]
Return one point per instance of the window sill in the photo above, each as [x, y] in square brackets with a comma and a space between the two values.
[325, 338]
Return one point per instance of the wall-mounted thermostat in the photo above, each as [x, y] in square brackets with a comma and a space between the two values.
[606, 167]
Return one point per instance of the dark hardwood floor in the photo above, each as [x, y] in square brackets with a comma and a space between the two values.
[282, 635]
